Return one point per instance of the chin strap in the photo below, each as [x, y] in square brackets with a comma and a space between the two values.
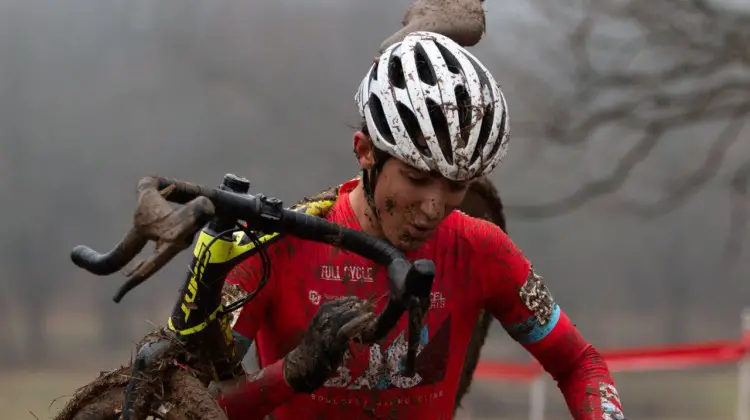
[370, 179]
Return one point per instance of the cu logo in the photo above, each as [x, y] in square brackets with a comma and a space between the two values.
[314, 297]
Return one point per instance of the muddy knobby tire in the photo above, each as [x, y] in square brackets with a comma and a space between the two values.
[184, 394]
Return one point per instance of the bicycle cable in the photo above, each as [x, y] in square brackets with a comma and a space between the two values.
[266, 268]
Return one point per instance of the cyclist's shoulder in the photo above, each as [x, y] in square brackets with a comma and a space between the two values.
[320, 204]
[480, 235]
[471, 228]
[332, 204]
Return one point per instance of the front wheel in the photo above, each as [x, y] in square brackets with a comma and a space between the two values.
[105, 406]
[185, 398]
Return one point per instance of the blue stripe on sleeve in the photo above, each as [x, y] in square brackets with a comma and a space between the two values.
[531, 331]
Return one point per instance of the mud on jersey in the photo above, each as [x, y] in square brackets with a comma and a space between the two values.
[477, 267]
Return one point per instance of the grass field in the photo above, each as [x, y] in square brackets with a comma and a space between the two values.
[705, 394]
[651, 396]
[23, 393]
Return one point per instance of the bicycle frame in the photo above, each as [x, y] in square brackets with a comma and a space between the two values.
[193, 316]
[198, 319]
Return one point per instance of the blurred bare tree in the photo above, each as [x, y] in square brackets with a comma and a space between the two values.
[652, 68]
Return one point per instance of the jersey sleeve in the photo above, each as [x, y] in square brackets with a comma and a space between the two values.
[518, 297]
[258, 395]
[262, 391]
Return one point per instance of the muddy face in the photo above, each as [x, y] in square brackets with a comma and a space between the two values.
[411, 203]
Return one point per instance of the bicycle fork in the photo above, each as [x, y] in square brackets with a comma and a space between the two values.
[147, 354]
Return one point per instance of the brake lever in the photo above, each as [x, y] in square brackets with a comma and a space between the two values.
[171, 229]
[418, 308]
[418, 287]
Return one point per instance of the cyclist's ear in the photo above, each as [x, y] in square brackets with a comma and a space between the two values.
[363, 149]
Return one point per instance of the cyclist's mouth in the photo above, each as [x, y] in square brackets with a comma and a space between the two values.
[417, 233]
[412, 238]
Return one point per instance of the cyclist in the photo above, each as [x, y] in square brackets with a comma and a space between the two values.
[434, 119]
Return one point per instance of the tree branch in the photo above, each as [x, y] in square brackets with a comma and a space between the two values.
[692, 183]
[740, 208]
[705, 78]
[593, 189]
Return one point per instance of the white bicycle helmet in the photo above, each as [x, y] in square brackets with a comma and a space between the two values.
[432, 104]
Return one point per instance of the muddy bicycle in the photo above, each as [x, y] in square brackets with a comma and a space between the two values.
[173, 366]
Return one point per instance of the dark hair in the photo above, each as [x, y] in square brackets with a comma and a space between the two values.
[379, 155]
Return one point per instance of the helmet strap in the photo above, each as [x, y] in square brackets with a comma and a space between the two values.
[370, 179]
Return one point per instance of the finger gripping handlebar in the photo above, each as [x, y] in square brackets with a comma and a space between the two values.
[173, 230]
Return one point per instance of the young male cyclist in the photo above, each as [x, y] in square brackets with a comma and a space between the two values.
[435, 119]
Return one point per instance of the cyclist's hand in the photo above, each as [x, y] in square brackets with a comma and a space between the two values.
[322, 350]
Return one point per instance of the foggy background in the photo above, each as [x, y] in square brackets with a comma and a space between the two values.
[626, 180]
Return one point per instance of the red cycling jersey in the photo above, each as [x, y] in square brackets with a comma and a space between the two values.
[477, 267]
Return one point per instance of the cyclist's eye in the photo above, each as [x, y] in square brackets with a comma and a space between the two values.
[458, 186]
[418, 180]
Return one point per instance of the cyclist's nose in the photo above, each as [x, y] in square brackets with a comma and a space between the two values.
[432, 208]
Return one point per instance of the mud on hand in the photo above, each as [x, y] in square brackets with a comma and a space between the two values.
[322, 349]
